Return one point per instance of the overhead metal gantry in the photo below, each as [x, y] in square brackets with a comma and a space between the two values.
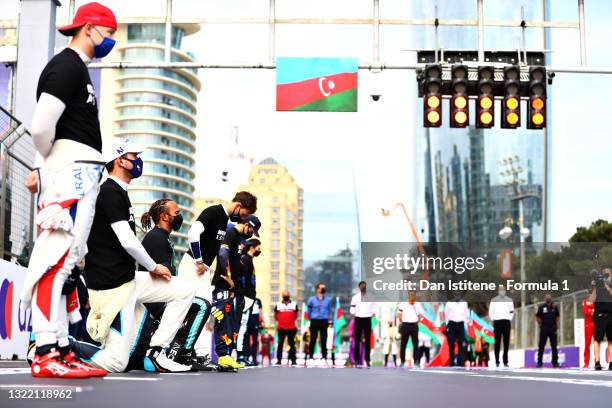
[375, 21]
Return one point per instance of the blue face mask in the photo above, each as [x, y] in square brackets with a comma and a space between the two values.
[137, 165]
[105, 47]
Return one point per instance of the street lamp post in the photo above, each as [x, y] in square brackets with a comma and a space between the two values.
[506, 232]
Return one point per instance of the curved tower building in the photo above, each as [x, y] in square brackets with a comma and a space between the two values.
[156, 108]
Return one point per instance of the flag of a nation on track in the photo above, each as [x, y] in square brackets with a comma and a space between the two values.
[316, 84]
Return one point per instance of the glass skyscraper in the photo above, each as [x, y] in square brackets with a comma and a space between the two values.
[462, 195]
[156, 108]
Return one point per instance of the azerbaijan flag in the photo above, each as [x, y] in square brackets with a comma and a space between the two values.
[316, 84]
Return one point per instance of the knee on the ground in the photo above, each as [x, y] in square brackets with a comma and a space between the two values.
[115, 364]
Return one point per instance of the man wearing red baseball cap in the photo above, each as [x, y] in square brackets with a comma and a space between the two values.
[66, 134]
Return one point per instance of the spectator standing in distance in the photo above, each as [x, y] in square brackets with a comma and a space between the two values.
[548, 319]
[362, 312]
[457, 312]
[501, 312]
[285, 313]
[319, 310]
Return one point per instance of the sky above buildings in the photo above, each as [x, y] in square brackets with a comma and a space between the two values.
[366, 160]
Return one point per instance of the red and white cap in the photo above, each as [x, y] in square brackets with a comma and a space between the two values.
[93, 13]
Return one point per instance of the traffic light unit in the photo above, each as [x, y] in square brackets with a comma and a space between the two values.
[537, 98]
[484, 88]
[511, 104]
[432, 112]
[485, 106]
[459, 106]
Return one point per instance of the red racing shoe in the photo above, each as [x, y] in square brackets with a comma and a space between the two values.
[72, 359]
[53, 365]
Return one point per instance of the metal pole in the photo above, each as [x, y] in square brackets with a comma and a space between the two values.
[3, 198]
[272, 32]
[574, 313]
[523, 278]
[200, 65]
[480, 31]
[523, 39]
[436, 37]
[545, 158]
[581, 26]
[71, 8]
[168, 39]
[561, 325]
[376, 29]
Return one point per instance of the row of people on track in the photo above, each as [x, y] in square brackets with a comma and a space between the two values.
[151, 318]
[462, 349]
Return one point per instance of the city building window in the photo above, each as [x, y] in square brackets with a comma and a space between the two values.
[275, 210]
[274, 298]
[275, 254]
[275, 265]
[276, 232]
[274, 287]
[266, 171]
[275, 221]
[275, 275]
[275, 243]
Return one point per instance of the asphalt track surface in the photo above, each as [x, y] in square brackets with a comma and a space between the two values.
[287, 387]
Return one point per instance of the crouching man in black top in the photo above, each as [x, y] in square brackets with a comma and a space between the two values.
[117, 293]
[167, 217]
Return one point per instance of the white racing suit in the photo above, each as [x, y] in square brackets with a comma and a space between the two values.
[121, 338]
[203, 286]
[68, 189]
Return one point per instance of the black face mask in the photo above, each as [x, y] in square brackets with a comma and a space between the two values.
[177, 222]
[286, 298]
[246, 235]
[235, 217]
[323, 291]
[257, 253]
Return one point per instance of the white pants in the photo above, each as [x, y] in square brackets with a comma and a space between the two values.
[122, 337]
[47, 304]
[203, 288]
[248, 306]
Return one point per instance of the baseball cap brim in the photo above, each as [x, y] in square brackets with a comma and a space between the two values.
[69, 30]
[114, 152]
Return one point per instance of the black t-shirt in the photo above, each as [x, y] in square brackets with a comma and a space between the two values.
[214, 219]
[107, 264]
[159, 247]
[234, 266]
[248, 282]
[548, 314]
[66, 77]
[603, 301]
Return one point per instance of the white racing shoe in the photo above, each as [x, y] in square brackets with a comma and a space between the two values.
[156, 360]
